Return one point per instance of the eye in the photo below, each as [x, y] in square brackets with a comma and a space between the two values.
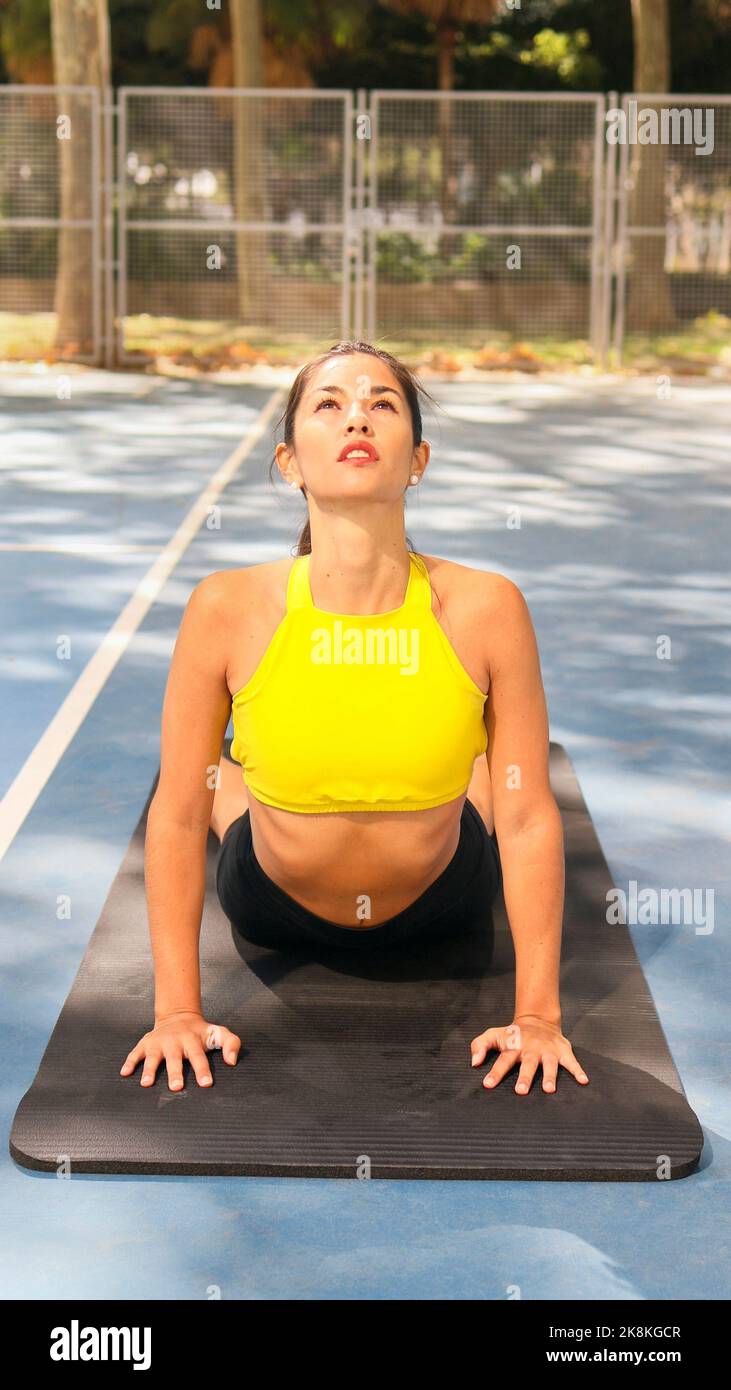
[330, 400]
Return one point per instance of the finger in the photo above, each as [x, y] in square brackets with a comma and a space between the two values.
[199, 1062]
[481, 1045]
[152, 1062]
[174, 1064]
[550, 1069]
[505, 1061]
[573, 1065]
[527, 1071]
[131, 1060]
[231, 1044]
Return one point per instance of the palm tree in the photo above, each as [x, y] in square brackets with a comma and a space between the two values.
[80, 40]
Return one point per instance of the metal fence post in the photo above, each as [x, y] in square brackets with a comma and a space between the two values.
[608, 235]
[347, 249]
[621, 244]
[371, 218]
[121, 222]
[358, 227]
[599, 211]
[108, 263]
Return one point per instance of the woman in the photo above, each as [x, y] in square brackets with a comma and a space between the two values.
[359, 677]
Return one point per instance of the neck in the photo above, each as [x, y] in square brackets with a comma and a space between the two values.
[360, 574]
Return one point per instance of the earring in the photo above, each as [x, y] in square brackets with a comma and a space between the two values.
[414, 478]
[293, 483]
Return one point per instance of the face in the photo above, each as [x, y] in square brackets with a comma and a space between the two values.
[353, 433]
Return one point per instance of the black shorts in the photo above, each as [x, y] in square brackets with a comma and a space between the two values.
[460, 899]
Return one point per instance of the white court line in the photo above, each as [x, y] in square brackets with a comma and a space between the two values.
[83, 548]
[24, 791]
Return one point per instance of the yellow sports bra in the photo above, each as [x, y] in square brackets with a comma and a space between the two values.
[358, 712]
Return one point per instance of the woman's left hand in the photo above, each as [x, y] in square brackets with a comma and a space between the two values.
[532, 1040]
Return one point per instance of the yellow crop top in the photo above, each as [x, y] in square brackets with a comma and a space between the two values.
[358, 712]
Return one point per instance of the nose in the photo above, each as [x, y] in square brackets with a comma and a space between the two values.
[357, 417]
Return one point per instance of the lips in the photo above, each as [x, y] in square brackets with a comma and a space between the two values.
[363, 445]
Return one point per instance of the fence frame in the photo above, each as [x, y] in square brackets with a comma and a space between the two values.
[597, 309]
[362, 109]
[93, 223]
[109, 265]
[124, 224]
[609, 235]
[625, 230]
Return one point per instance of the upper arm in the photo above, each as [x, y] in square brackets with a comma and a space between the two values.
[196, 708]
[516, 716]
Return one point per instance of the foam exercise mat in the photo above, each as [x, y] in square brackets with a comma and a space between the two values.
[358, 1062]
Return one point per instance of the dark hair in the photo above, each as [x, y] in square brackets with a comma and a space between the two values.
[409, 383]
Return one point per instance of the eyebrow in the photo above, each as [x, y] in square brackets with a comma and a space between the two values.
[375, 390]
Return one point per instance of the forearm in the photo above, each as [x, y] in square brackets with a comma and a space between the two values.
[175, 883]
[533, 888]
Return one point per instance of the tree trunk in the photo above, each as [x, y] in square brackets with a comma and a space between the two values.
[445, 56]
[249, 126]
[649, 306]
[80, 39]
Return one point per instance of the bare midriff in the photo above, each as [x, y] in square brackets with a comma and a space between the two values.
[357, 869]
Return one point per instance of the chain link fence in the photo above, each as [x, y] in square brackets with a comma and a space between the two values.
[673, 240]
[257, 216]
[50, 224]
[235, 207]
[486, 216]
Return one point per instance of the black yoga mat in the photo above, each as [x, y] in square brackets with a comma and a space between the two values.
[357, 1063]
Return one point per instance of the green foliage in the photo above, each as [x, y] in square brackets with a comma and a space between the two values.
[403, 260]
[25, 30]
[567, 56]
[480, 258]
[171, 23]
[151, 39]
[339, 24]
[546, 44]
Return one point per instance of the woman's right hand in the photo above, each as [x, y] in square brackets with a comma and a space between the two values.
[177, 1036]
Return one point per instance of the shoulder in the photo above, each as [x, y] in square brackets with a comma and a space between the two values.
[491, 591]
[248, 582]
[488, 608]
